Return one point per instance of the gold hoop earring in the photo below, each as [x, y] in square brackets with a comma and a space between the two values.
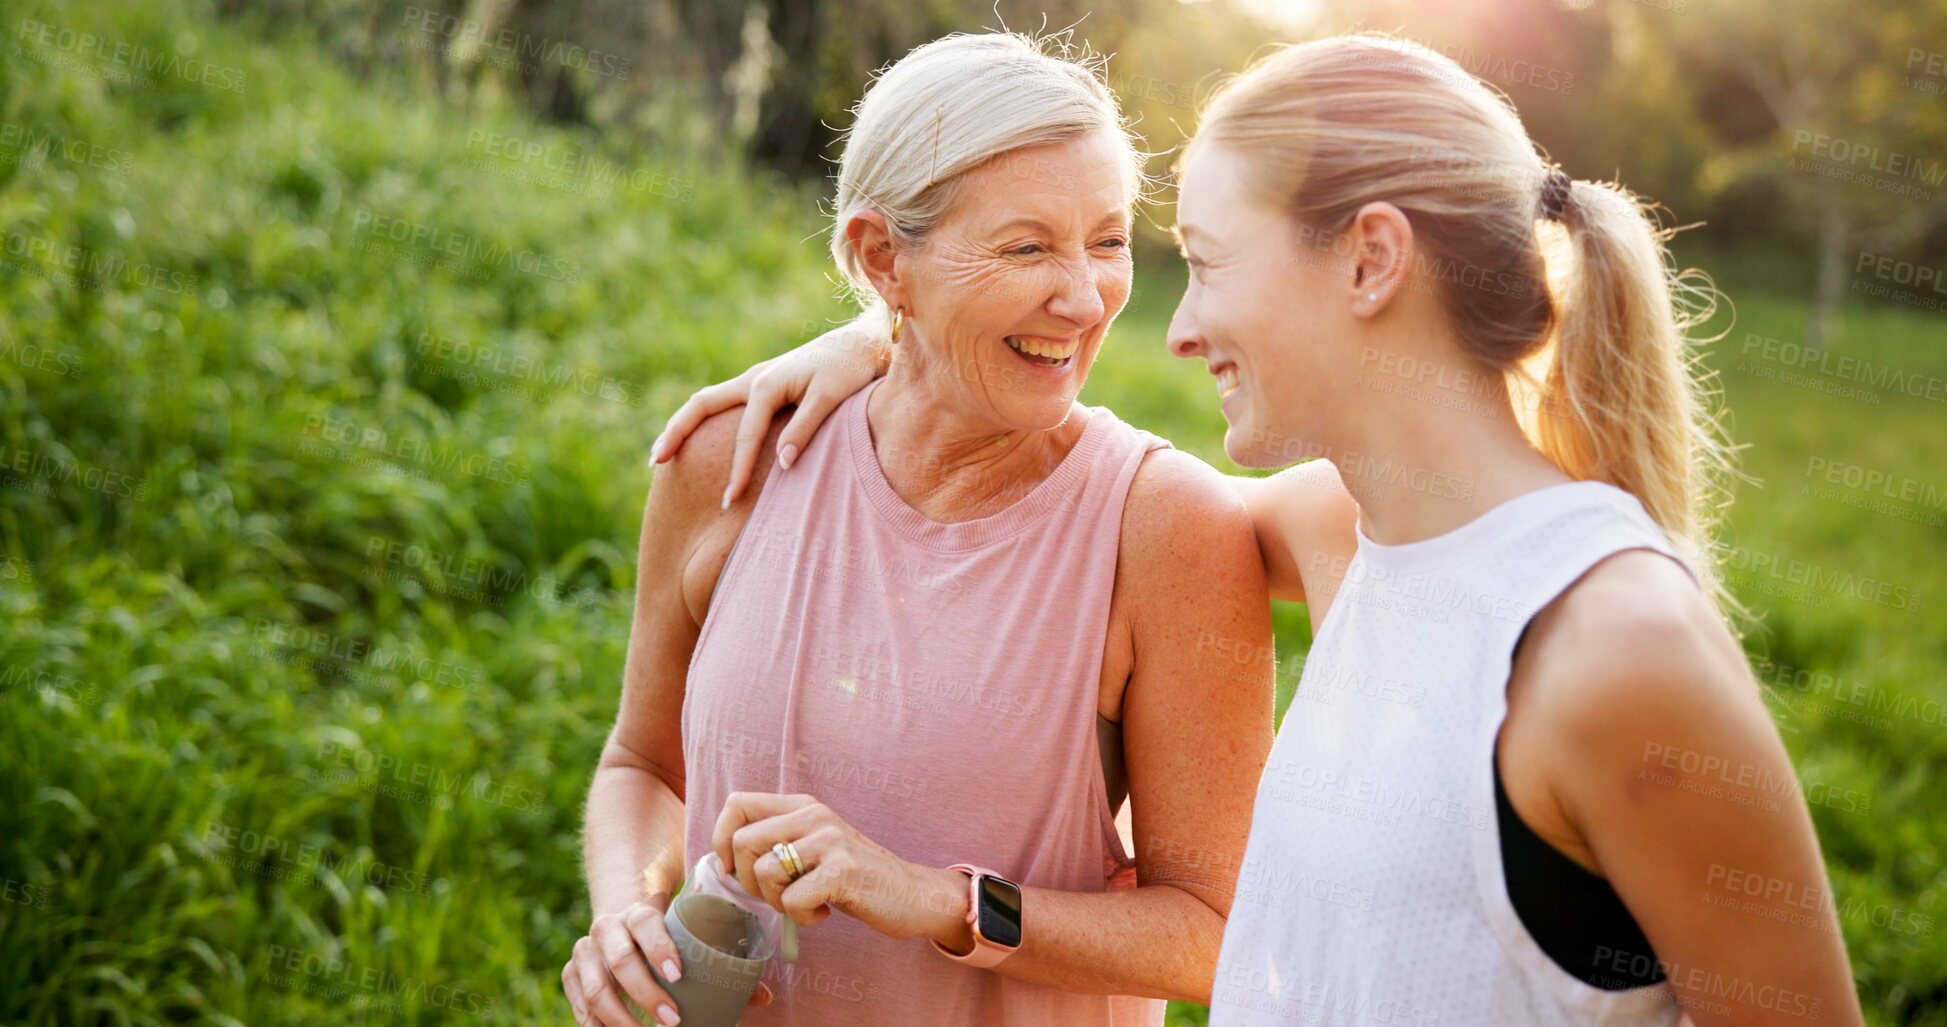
[898, 323]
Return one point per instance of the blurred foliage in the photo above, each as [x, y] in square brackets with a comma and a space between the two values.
[1833, 117]
[1715, 92]
[327, 370]
[237, 414]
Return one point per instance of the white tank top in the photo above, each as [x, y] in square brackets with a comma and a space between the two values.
[1372, 890]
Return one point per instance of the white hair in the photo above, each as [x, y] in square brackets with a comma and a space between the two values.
[948, 107]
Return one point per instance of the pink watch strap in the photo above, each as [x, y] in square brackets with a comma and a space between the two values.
[985, 954]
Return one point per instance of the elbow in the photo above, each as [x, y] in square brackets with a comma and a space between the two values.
[1205, 912]
[619, 760]
[1210, 891]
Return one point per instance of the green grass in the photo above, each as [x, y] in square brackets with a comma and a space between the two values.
[280, 562]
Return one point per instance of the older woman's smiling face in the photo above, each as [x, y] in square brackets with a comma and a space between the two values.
[1011, 294]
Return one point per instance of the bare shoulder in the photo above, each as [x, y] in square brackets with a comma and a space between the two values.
[699, 471]
[1638, 745]
[1178, 505]
[1188, 549]
[685, 515]
[1631, 645]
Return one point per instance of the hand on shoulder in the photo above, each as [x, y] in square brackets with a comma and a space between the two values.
[686, 520]
[695, 474]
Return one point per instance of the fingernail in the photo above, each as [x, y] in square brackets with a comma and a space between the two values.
[786, 455]
[671, 972]
[667, 1016]
[726, 499]
[656, 451]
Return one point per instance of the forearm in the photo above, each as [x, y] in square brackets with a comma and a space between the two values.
[634, 834]
[1158, 940]
[864, 343]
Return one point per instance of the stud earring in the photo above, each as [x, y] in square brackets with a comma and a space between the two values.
[1372, 297]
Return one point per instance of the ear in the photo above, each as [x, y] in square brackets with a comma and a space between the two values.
[1382, 256]
[877, 253]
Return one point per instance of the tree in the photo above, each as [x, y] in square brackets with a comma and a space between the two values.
[1837, 109]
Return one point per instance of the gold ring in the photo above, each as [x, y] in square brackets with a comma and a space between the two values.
[787, 854]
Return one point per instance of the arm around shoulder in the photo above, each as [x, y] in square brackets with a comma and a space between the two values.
[1303, 518]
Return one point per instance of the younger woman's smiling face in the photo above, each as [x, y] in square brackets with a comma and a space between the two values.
[1265, 312]
[1012, 292]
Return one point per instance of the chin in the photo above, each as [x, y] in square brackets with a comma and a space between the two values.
[1040, 405]
[1042, 413]
[1249, 444]
[1237, 446]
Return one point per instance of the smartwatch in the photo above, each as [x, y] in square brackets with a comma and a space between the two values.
[994, 913]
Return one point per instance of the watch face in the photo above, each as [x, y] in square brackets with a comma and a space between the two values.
[1000, 911]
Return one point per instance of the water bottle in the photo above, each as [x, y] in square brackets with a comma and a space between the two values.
[725, 937]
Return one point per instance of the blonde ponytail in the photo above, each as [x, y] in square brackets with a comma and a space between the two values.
[1620, 398]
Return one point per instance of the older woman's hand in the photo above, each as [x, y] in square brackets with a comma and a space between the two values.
[610, 966]
[843, 870]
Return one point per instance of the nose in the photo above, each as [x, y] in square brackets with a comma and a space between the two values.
[1186, 335]
[1078, 299]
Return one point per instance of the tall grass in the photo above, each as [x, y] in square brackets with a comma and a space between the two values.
[316, 537]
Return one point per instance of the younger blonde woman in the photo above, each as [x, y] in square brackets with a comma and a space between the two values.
[1529, 779]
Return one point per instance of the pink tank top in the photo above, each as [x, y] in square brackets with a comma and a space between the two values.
[936, 685]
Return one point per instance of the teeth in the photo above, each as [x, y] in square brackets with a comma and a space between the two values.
[1052, 351]
[1227, 382]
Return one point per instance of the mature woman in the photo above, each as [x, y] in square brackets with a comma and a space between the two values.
[1537, 774]
[893, 684]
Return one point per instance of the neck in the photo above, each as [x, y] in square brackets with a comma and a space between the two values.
[1420, 467]
[951, 463]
